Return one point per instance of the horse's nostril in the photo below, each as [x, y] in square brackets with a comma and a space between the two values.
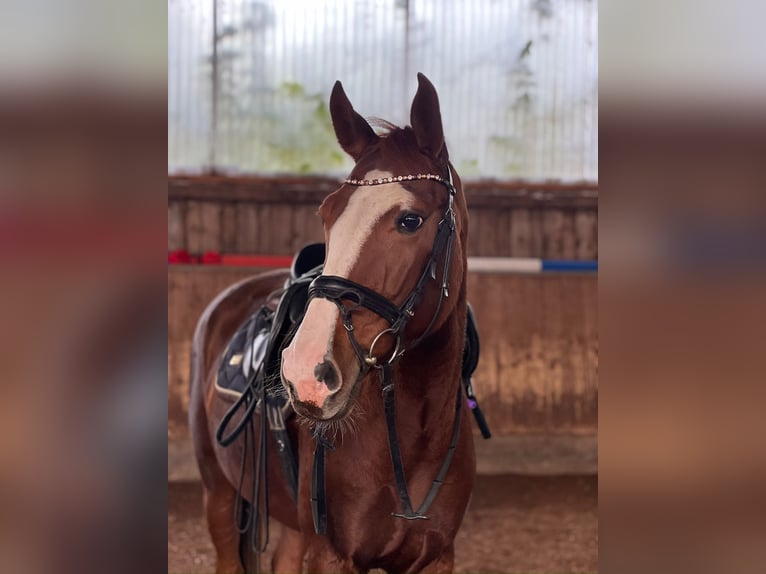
[326, 373]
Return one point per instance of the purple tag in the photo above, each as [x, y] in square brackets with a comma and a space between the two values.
[472, 404]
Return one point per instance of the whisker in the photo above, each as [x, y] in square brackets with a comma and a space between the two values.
[333, 431]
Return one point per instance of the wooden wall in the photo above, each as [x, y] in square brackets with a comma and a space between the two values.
[538, 371]
[277, 216]
[539, 366]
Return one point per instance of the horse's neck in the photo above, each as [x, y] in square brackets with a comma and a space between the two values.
[425, 382]
[431, 371]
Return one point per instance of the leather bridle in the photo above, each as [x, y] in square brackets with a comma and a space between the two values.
[340, 290]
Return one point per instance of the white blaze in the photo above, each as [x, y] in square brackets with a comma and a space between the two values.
[365, 207]
[348, 234]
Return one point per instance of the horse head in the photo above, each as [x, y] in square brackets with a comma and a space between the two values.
[390, 277]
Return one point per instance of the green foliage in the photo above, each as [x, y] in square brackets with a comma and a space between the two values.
[469, 168]
[292, 89]
[526, 50]
[293, 133]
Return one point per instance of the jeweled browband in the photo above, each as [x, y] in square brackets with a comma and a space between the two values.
[395, 178]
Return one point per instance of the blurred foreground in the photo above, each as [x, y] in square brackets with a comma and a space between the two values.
[82, 287]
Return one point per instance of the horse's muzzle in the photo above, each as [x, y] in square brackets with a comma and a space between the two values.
[312, 393]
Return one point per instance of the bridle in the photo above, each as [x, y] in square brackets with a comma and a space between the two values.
[340, 290]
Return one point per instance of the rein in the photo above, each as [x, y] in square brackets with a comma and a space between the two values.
[340, 290]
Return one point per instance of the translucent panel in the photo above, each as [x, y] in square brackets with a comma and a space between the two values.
[517, 82]
[190, 92]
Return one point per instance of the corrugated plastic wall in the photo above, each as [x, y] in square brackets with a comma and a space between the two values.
[517, 80]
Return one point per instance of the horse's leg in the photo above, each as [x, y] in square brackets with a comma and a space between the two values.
[323, 559]
[218, 494]
[220, 498]
[219, 507]
[288, 555]
[444, 564]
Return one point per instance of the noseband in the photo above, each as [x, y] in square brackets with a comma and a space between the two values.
[340, 290]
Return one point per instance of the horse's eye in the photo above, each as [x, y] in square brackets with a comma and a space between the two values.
[409, 222]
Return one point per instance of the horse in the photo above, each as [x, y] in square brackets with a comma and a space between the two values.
[372, 372]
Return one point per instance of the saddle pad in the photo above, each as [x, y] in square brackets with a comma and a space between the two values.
[244, 353]
[267, 330]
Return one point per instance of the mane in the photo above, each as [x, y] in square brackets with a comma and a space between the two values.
[394, 140]
[382, 127]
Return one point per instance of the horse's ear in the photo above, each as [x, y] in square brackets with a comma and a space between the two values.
[426, 119]
[352, 130]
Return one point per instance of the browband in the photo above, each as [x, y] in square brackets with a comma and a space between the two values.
[398, 178]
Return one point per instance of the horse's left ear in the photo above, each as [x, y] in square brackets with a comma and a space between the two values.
[426, 118]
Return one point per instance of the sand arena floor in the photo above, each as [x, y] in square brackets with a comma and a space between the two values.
[514, 524]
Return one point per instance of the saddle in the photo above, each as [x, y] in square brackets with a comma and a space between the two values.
[250, 367]
[246, 351]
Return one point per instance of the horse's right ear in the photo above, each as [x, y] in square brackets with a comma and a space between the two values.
[352, 130]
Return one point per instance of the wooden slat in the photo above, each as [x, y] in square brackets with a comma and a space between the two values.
[568, 236]
[281, 222]
[267, 190]
[521, 233]
[490, 194]
[586, 228]
[478, 231]
[280, 228]
[176, 225]
[307, 226]
[247, 228]
[489, 232]
[536, 232]
[203, 226]
[229, 227]
[497, 195]
[553, 234]
[211, 215]
[267, 232]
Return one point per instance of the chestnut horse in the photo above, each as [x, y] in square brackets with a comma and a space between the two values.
[387, 314]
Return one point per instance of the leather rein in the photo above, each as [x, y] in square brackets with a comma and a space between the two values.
[341, 291]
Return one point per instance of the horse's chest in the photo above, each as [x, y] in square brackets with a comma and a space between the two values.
[361, 526]
[400, 547]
